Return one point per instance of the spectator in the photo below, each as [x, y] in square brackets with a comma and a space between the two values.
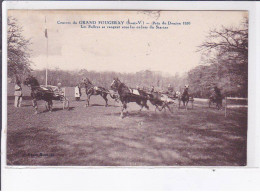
[170, 89]
[77, 93]
[18, 94]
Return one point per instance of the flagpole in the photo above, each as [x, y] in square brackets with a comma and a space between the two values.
[46, 36]
[47, 65]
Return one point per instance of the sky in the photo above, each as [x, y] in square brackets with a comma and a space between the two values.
[71, 47]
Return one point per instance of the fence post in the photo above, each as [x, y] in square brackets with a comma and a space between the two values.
[225, 106]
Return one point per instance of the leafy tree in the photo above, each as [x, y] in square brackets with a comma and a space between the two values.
[18, 51]
[225, 58]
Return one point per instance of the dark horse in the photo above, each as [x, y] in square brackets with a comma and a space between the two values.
[39, 93]
[95, 90]
[216, 98]
[127, 95]
[184, 97]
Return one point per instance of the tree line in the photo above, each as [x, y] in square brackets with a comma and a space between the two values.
[224, 63]
[143, 79]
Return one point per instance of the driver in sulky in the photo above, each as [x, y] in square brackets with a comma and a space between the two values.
[59, 90]
[170, 91]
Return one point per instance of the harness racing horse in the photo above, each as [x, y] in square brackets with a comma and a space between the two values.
[216, 98]
[96, 90]
[39, 93]
[184, 97]
[160, 101]
[127, 95]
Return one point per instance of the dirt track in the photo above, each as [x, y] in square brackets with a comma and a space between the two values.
[96, 136]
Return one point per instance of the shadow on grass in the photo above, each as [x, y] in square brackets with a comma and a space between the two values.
[197, 137]
[56, 109]
[93, 105]
[34, 146]
[24, 98]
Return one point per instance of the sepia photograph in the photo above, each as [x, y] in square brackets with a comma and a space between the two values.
[127, 88]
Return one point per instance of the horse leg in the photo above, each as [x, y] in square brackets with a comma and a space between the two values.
[46, 106]
[160, 109]
[105, 98]
[155, 108]
[220, 105]
[146, 106]
[50, 105]
[140, 103]
[164, 107]
[122, 110]
[126, 108]
[168, 107]
[34, 102]
[187, 105]
[141, 107]
[88, 99]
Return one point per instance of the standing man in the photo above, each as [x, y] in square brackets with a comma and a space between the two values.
[18, 94]
[77, 93]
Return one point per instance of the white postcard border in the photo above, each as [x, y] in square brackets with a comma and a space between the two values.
[149, 178]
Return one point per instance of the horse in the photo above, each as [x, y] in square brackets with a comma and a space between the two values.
[160, 101]
[91, 89]
[216, 99]
[127, 95]
[39, 93]
[184, 97]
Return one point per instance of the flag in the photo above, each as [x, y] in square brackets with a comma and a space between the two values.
[46, 34]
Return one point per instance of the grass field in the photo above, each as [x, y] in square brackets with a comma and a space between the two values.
[97, 136]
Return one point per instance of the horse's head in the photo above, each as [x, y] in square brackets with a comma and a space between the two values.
[31, 81]
[85, 82]
[186, 88]
[115, 84]
[81, 85]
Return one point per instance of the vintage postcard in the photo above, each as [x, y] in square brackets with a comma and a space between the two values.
[127, 88]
